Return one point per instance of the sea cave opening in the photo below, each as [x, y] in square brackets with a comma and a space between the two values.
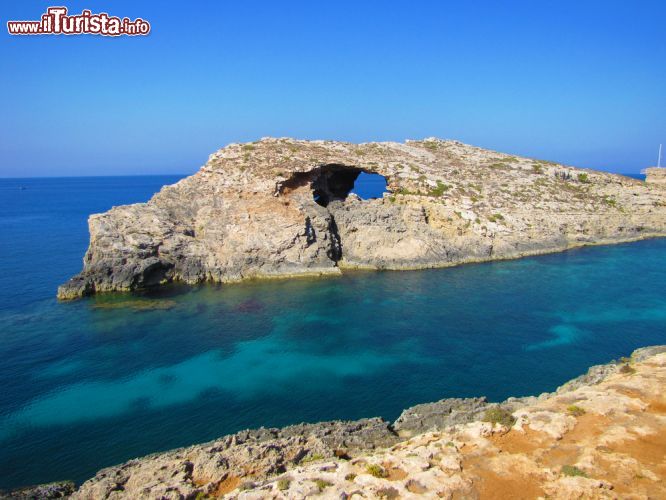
[335, 182]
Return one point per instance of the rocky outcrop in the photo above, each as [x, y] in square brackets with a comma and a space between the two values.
[224, 463]
[50, 491]
[656, 176]
[281, 207]
[604, 429]
[599, 441]
[439, 415]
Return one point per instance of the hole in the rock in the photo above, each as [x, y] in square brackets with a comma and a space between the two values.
[335, 182]
[370, 186]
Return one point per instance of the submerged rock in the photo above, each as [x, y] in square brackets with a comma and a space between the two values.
[281, 207]
[137, 305]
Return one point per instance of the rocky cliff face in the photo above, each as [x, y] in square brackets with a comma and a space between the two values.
[281, 207]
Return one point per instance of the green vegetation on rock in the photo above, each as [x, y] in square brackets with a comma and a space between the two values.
[322, 484]
[439, 190]
[283, 484]
[575, 411]
[573, 471]
[499, 415]
[376, 470]
[312, 458]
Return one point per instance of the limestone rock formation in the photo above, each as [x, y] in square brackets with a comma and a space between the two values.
[656, 176]
[281, 207]
[50, 491]
[261, 453]
[439, 415]
[599, 436]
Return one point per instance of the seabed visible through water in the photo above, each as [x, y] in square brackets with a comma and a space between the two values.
[91, 383]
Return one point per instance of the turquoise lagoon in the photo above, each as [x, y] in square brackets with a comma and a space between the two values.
[94, 382]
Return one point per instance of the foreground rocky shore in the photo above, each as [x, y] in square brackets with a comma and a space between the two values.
[281, 207]
[602, 435]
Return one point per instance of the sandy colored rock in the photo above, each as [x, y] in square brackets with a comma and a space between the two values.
[614, 448]
[602, 435]
[656, 176]
[251, 212]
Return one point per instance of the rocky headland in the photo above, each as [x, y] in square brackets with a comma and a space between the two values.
[601, 435]
[282, 207]
[656, 175]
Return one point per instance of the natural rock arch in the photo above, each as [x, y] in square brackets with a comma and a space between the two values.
[330, 182]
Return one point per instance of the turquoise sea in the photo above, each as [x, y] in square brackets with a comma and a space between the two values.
[91, 383]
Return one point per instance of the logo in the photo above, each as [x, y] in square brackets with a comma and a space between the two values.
[56, 21]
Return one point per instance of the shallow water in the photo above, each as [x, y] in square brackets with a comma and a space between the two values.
[94, 382]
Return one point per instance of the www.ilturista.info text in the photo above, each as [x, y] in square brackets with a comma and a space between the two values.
[56, 21]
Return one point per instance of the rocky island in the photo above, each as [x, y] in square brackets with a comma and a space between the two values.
[282, 207]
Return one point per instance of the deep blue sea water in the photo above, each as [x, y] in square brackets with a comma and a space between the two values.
[85, 387]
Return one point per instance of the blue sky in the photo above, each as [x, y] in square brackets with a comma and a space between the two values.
[578, 82]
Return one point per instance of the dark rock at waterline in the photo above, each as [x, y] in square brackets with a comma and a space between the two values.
[435, 416]
[61, 489]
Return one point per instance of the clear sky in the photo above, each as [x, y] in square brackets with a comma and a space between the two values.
[580, 82]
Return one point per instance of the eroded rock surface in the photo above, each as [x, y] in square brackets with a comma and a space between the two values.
[656, 175]
[602, 435]
[281, 207]
[223, 464]
[50, 491]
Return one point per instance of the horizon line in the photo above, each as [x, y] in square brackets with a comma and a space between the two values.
[92, 176]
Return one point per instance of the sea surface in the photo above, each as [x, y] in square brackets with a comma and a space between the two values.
[94, 382]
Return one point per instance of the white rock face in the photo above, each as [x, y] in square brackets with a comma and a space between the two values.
[251, 212]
